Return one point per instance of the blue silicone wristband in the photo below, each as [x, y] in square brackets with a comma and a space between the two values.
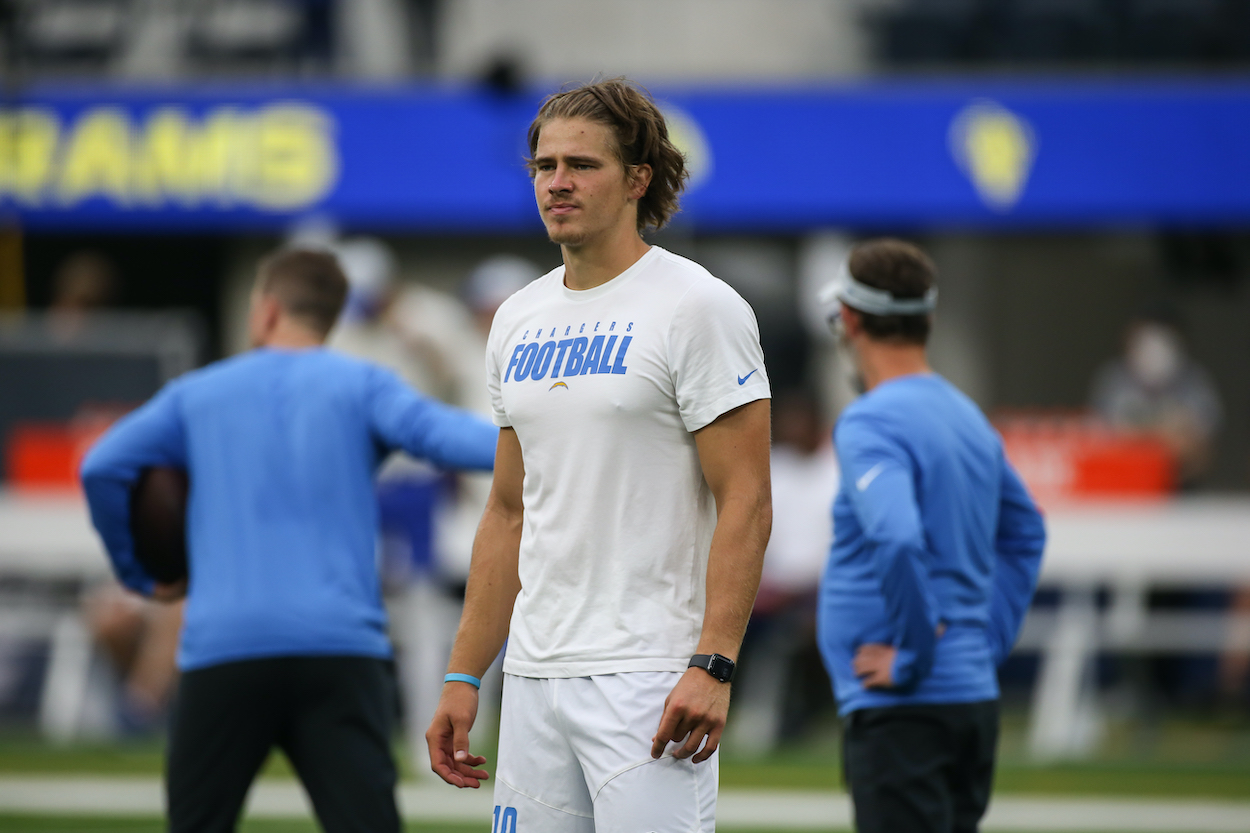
[463, 678]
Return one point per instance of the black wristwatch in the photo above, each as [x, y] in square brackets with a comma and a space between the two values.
[720, 667]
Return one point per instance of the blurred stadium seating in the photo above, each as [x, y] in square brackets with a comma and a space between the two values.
[1060, 33]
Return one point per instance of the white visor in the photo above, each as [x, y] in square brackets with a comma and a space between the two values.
[870, 299]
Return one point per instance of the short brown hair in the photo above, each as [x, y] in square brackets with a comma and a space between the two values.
[904, 271]
[307, 284]
[641, 139]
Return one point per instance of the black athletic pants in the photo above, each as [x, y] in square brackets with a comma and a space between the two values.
[921, 769]
[332, 716]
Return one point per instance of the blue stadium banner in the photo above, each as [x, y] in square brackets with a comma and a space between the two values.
[449, 159]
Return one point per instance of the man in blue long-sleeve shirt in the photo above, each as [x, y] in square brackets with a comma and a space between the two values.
[936, 556]
[284, 640]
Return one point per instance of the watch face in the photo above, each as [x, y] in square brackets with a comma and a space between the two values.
[722, 668]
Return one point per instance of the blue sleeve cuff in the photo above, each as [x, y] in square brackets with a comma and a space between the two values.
[905, 672]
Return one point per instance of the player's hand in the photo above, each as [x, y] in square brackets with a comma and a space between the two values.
[874, 662]
[874, 665]
[694, 712]
[172, 592]
[448, 737]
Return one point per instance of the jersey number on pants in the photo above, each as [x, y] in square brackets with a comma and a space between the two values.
[506, 824]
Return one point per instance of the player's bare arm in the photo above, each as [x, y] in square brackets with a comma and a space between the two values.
[733, 453]
[489, 596]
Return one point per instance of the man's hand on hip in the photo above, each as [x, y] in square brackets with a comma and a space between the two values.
[448, 737]
[695, 713]
[874, 665]
[172, 592]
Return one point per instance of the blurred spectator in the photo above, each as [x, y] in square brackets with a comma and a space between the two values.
[408, 490]
[85, 281]
[438, 346]
[1234, 666]
[370, 326]
[428, 518]
[1155, 387]
[395, 326]
[805, 479]
[489, 284]
[140, 638]
[782, 682]
[316, 42]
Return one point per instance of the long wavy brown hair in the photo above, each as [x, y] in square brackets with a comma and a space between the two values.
[641, 139]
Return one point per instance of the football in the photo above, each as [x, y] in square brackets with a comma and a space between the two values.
[158, 522]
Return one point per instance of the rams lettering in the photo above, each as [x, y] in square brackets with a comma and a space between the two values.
[276, 157]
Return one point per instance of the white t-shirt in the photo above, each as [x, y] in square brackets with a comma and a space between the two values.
[603, 388]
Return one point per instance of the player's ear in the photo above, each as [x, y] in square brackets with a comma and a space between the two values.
[267, 312]
[852, 324]
[255, 322]
[639, 180]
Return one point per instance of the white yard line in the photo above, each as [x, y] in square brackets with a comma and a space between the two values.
[767, 809]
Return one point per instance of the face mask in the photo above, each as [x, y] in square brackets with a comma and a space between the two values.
[1154, 355]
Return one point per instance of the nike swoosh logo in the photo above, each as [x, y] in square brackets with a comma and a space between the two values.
[742, 380]
[869, 476]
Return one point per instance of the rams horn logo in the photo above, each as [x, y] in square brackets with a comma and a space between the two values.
[687, 134]
[996, 148]
[558, 385]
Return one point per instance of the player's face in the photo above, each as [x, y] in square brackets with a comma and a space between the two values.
[582, 189]
[846, 328]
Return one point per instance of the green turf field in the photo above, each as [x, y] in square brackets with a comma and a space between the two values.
[1179, 758]
[1097, 779]
[72, 824]
[52, 824]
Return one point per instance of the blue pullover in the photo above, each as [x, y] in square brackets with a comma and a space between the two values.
[281, 447]
[932, 525]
